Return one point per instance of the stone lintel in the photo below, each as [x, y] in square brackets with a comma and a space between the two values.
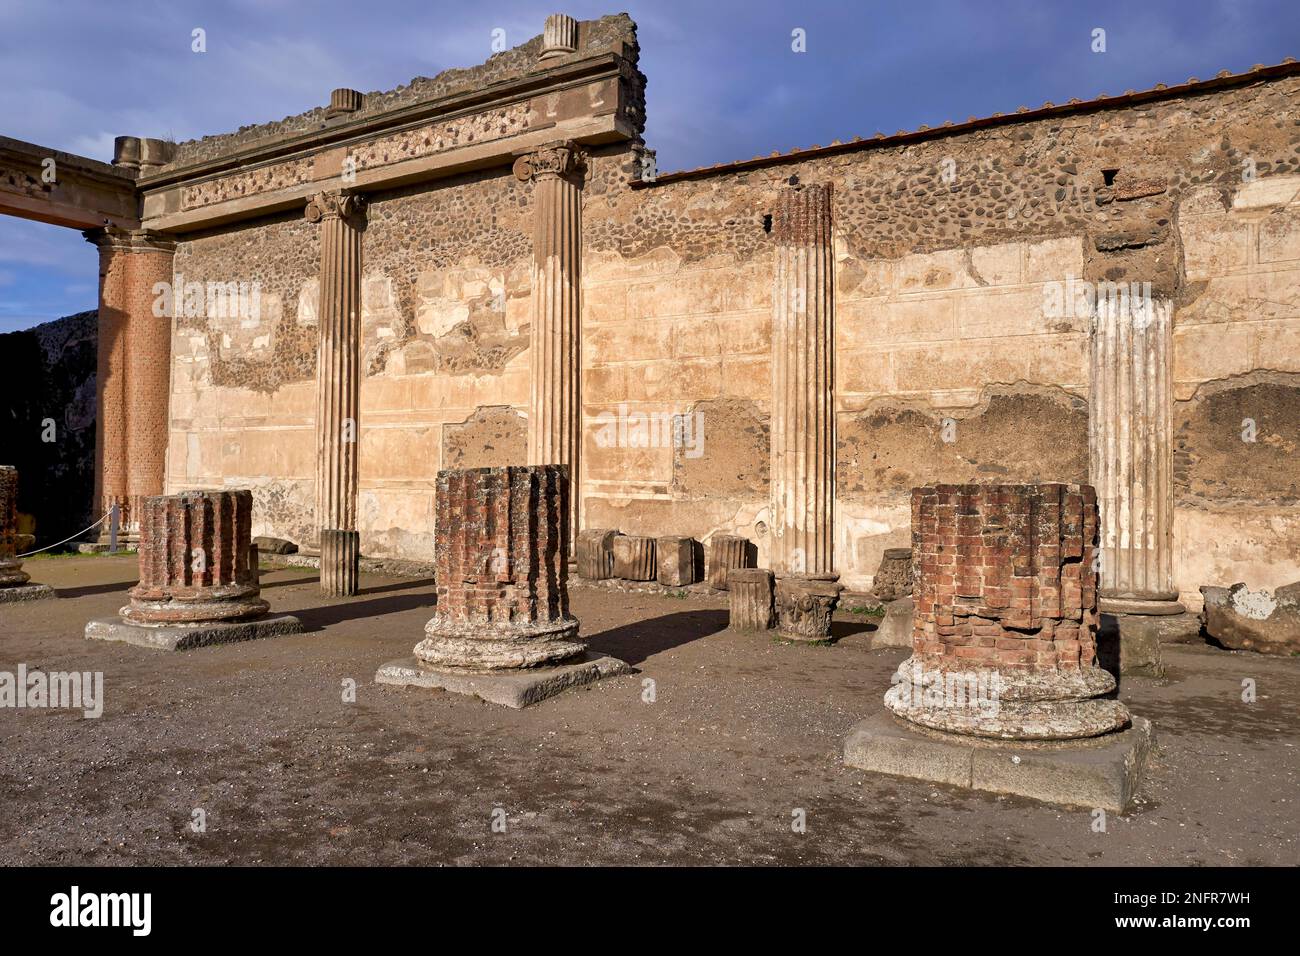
[1101, 772]
[516, 688]
[85, 193]
[189, 637]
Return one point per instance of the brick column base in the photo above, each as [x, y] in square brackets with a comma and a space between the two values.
[1004, 629]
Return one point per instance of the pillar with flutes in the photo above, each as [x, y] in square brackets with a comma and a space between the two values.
[554, 407]
[803, 425]
[1130, 447]
[338, 387]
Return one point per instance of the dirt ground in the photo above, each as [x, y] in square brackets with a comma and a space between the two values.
[743, 731]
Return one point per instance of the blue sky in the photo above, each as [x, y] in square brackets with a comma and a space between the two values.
[724, 83]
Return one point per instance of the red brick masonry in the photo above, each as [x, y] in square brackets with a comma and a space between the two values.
[1005, 576]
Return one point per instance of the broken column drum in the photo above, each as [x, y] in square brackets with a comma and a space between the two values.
[1006, 602]
[634, 557]
[502, 570]
[726, 551]
[750, 597]
[594, 553]
[11, 566]
[196, 561]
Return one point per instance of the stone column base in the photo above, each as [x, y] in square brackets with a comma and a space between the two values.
[1007, 705]
[511, 688]
[1147, 604]
[1102, 772]
[340, 562]
[185, 637]
[26, 592]
[498, 645]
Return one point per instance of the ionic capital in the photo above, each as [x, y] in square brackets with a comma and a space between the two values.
[349, 207]
[566, 159]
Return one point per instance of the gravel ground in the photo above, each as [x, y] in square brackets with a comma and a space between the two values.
[742, 732]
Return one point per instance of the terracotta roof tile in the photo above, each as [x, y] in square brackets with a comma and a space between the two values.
[1160, 91]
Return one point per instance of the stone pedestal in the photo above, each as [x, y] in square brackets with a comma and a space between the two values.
[595, 554]
[15, 583]
[675, 557]
[726, 551]
[554, 406]
[893, 578]
[198, 583]
[634, 558]
[805, 604]
[338, 384]
[803, 428]
[1005, 649]
[502, 630]
[751, 599]
[1130, 444]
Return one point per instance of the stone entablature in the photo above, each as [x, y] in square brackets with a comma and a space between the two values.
[590, 96]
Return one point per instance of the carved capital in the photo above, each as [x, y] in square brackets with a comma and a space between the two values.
[565, 159]
[349, 207]
[115, 238]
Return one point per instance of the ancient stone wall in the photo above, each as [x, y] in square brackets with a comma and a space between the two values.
[951, 362]
[960, 351]
[445, 323]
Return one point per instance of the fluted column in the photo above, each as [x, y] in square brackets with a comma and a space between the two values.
[1130, 450]
[133, 370]
[338, 387]
[554, 409]
[803, 426]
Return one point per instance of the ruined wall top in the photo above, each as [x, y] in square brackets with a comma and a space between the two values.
[614, 34]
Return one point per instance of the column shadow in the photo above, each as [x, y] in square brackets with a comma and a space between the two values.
[637, 641]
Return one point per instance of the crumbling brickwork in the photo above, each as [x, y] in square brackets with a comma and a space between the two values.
[1005, 620]
[1005, 576]
[502, 570]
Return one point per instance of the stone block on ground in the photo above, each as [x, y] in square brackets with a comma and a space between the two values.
[267, 545]
[726, 551]
[895, 629]
[1128, 645]
[675, 557]
[1246, 620]
[805, 604]
[1102, 772]
[516, 688]
[894, 576]
[26, 592]
[187, 637]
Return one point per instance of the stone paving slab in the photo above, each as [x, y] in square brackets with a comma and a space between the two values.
[515, 688]
[1101, 772]
[186, 638]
